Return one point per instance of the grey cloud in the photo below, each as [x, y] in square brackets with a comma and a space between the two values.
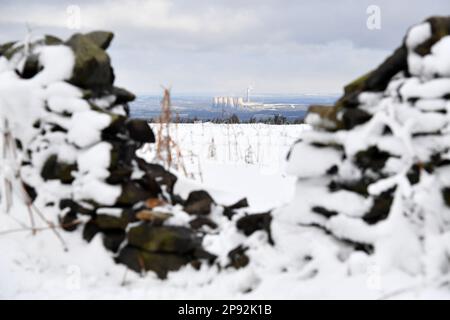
[201, 45]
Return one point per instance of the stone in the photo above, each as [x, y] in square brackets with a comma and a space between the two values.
[198, 203]
[324, 211]
[446, 196]
[380, 77]
[132, 193]
[158, 173]
[199, 222]
[5, 47]
[160, 263]
[149, 183]
[238, 258]
[354, 117]
[255, 222]
[229, 211]
[108, 222]
[69, 222]
[122, 95]
[90, 230]
[328, 116]
[372, 158]
[119, 174]
[140, 131]
[31, 67]
[75, 207]
[52, 40]
[156, 218]
[101, 38]
[54, 170]
[112, 239]
[359, 186]
[440, 27]
[154, 202]
[163, 239]
[380, 208]
[92, 68]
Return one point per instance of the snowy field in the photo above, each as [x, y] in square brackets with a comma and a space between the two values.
[235, 161]
[231, 162]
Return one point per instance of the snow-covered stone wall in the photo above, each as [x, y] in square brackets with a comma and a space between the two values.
[69, 152]
[374, 174]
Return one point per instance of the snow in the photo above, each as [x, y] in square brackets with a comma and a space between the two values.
[437, 63]
[87, 271]
[67, 105]
[58, 62]
[306, 161]
[85, 127]
[96, 160]
[93, 169]
[308, 260]
[436, 88]
[418, 35]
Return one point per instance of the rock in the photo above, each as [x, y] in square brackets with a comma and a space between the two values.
[149, 183]
[108, 222]
[52, 40]
[158, 173]
[115, 128]
[255, 222]
[101, 38]
[326, 114]
[31, 192]
[112, 239]
[380, 208]
[132, 193]
[122, 95]
[31, 67]
[353, 117]
[119, 174]
[92, 68]
[324, 211]
[54, 170]
[446, 196]
[163, 239]
[198, 203]
[199, 222]
[229, 211]
[372, 158]
[380, 77]
[358, 186]
[440, 27]
[5, 47]
[69, 222]
[154, 202]
[156, 218]
[238, 258]
[160, 263]
[90, 230]
[140, 131]
[75, 207]
[413, 174]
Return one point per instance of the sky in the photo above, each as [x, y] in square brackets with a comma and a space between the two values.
[224, 46]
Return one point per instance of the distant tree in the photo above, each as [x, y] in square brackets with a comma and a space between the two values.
[234, 119]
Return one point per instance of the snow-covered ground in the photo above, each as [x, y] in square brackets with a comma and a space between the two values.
[236, 161]
[231, 162]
